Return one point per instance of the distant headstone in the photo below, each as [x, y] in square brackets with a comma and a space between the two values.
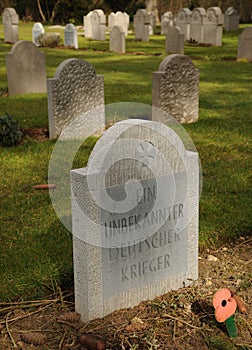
[166, 20]
[26, 69]
[175, 88]
[135, 218]
[10, 24]
[245, 45]
[197, 24]
[213, 26]
[37, 30]
[120, 19]
[182, 21]
[95, 25]
[70, 36]
[231, 19]
[74, 90]
[117, 40]
[141, 25]
[174, 42]
[152, 24]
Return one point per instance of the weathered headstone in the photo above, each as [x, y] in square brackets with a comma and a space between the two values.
[175, 88]
[245, 45]
[74, 90]
[174, 42]
[117, 40]
[213, 26]
[95, 25]
[182, 21]
[197, 24]
[70, 36]
[152, 24]
[166, 20]
[120, 19]
[37, 30]
[135, 218]
[10, 24]
[26, 69]
[141, 25]
[231, 19]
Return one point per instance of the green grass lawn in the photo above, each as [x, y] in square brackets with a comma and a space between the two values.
[36, 250]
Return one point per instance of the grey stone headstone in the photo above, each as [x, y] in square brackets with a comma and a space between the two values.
[175, 88]
[70, 36]
[10, 23]
[182, 20]
[117, 40]
[197, 24]
[166, 20]
[74, 90]
[213, 26]
[37, 30]
[120, 19]
[231, 19]
[135, 218]
[141, 25]
[174, 42]
[245, 44]
[26, 69]
[95, 25]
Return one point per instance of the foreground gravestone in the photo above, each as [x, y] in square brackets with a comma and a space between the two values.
[245, 45]
[197, 24]
[26, 69]
[70, 36]
[213, 26]
[37, 30]
[117, 40]
[166, 20]
[95, 25]
[135, 218]
[141, 25]
[182, 21]
[120, 19]
[10, 24]
[74, 90]
[174, 42]
[231, 19]
[175, 88]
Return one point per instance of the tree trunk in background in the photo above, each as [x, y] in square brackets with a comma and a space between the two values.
[41, 12]
[245, 10]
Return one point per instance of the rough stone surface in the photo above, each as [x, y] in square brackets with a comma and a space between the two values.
[74, 90]
[144, 262]
[175, 88]
[213, 26]
[141, 25]
[10, 24]
[37, 30]
[245, 44]
[95, 25]
[26, 69]
[166, 20]
[117, 40]
[197, 24]
[182, 21]
[174, 40]
[70, 36]
[231, 19]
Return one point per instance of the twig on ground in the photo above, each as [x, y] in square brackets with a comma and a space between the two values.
[9, 332]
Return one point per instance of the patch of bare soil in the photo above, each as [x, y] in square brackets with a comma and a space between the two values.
[182, 319]
[39, 134]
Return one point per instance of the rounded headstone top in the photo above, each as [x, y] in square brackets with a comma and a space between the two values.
[70, 64]
[22, 45]
[9, 16]
[214, 14]
[230, 11]
[174, 58]
[184, 12]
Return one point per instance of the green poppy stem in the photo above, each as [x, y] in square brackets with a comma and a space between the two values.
[231, 327]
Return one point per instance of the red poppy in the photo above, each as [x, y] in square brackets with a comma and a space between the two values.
[224, 304]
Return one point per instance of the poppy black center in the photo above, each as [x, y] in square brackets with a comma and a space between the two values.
[224, 303]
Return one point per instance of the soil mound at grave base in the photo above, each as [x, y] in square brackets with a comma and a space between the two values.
[182, 319]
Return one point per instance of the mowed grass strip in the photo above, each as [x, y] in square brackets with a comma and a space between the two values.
[35, 248]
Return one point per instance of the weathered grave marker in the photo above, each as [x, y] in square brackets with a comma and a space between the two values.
[213, 26]
[74, 90]
[26, 69]
[166, 20]
[182, 21]
[37, 30]
[70, 36]
[10, 24]
[117, 40]
[141, 25]
[197, 24]
[245, 45]
[174, 42]
[135, 218]
[175, 88]
[120, 19]
[231, 19]
[95, 25]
